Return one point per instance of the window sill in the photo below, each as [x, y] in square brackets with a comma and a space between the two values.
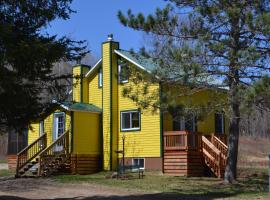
[131, 130]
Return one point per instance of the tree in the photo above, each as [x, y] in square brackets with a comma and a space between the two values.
[27, 56]
[219, 39]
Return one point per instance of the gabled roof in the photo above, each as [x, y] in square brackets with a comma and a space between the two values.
[76, 106]
[147, 64]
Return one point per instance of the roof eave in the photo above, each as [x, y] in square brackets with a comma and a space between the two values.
[93, 68]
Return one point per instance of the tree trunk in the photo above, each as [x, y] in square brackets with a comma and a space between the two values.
[234, 123]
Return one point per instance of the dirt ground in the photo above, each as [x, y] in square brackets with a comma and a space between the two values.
[29, 188]
[40, 188]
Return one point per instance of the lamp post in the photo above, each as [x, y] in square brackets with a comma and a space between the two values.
[123, 156]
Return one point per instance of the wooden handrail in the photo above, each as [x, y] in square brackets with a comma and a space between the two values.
[213, 156]
[182, 140]
[59, 147]
[30, 145]
[54, 143]
[30, 152]
[211, 145]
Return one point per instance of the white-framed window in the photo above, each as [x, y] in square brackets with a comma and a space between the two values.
[59, 125]
[41, 127]
[100, 80]
[188, 123]
[139, 162]
[123, 73]
[219, 123]
[130, 120]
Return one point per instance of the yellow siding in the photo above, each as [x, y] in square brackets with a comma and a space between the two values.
[106, 105]
[114, 108]
[76, 89]
[85, 86]
[86, 133]
[48, 128]
[207, 124]
[95, 93]
[146, 142]
[33, 132]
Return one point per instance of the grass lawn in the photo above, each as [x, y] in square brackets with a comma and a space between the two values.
[3, 161]
[252, 186]
[6, 172]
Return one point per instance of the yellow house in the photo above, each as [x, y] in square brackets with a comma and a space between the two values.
[87, 134]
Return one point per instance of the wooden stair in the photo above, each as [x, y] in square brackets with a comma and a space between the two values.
[27, 158]
[215, 155]
[39, 160]
[191, 154]
[56, 157]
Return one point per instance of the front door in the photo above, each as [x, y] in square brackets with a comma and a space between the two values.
[58, 128]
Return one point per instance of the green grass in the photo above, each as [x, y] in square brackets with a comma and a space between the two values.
[6, 172]
[3, 161]
[252, 186]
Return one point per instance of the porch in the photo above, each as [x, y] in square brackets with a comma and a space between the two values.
[193, 154]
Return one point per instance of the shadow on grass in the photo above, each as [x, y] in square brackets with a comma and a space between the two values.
[157, 196]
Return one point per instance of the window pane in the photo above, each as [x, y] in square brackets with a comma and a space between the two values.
[139, 162]
[100, 78]
[219, 123]
[135, 120]
[123, 73]
[179, 124]
[126, 121]
[190, 123]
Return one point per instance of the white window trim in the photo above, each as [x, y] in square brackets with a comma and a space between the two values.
[130, 129]
[119, 74]
[41, 124]
[100, 78]
[143, 162]
[54, 124]
[183, 123]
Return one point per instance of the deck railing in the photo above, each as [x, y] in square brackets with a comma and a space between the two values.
[30, 152]
[59, 149]
[181, 140]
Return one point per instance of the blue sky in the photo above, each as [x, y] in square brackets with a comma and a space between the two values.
[95, 19]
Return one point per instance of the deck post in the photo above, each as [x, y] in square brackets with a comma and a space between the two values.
[269, 172]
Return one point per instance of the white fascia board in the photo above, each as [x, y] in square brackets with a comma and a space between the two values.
[132, 61]
[93, 68]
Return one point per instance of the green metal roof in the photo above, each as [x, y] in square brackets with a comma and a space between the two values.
[75, 106]
[147, 63]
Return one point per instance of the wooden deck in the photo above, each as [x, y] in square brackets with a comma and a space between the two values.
[189, 153]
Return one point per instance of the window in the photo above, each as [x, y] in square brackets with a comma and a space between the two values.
[123, 73]
[188, 123]
[100, 81]
[59, 125]
[130, 120]
[138, 162]
[41, 127]
[219, 123]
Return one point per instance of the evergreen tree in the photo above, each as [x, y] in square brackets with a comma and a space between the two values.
[27, 56]
[215, 39]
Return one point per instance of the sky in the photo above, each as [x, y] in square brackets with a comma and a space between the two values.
[95, 19]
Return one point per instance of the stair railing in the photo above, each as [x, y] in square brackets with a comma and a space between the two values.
[212, 156]
[222, 147]
[59, 147]
[30, 152]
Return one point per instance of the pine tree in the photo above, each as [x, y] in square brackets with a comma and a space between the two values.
[27, 56]
[221, 39]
